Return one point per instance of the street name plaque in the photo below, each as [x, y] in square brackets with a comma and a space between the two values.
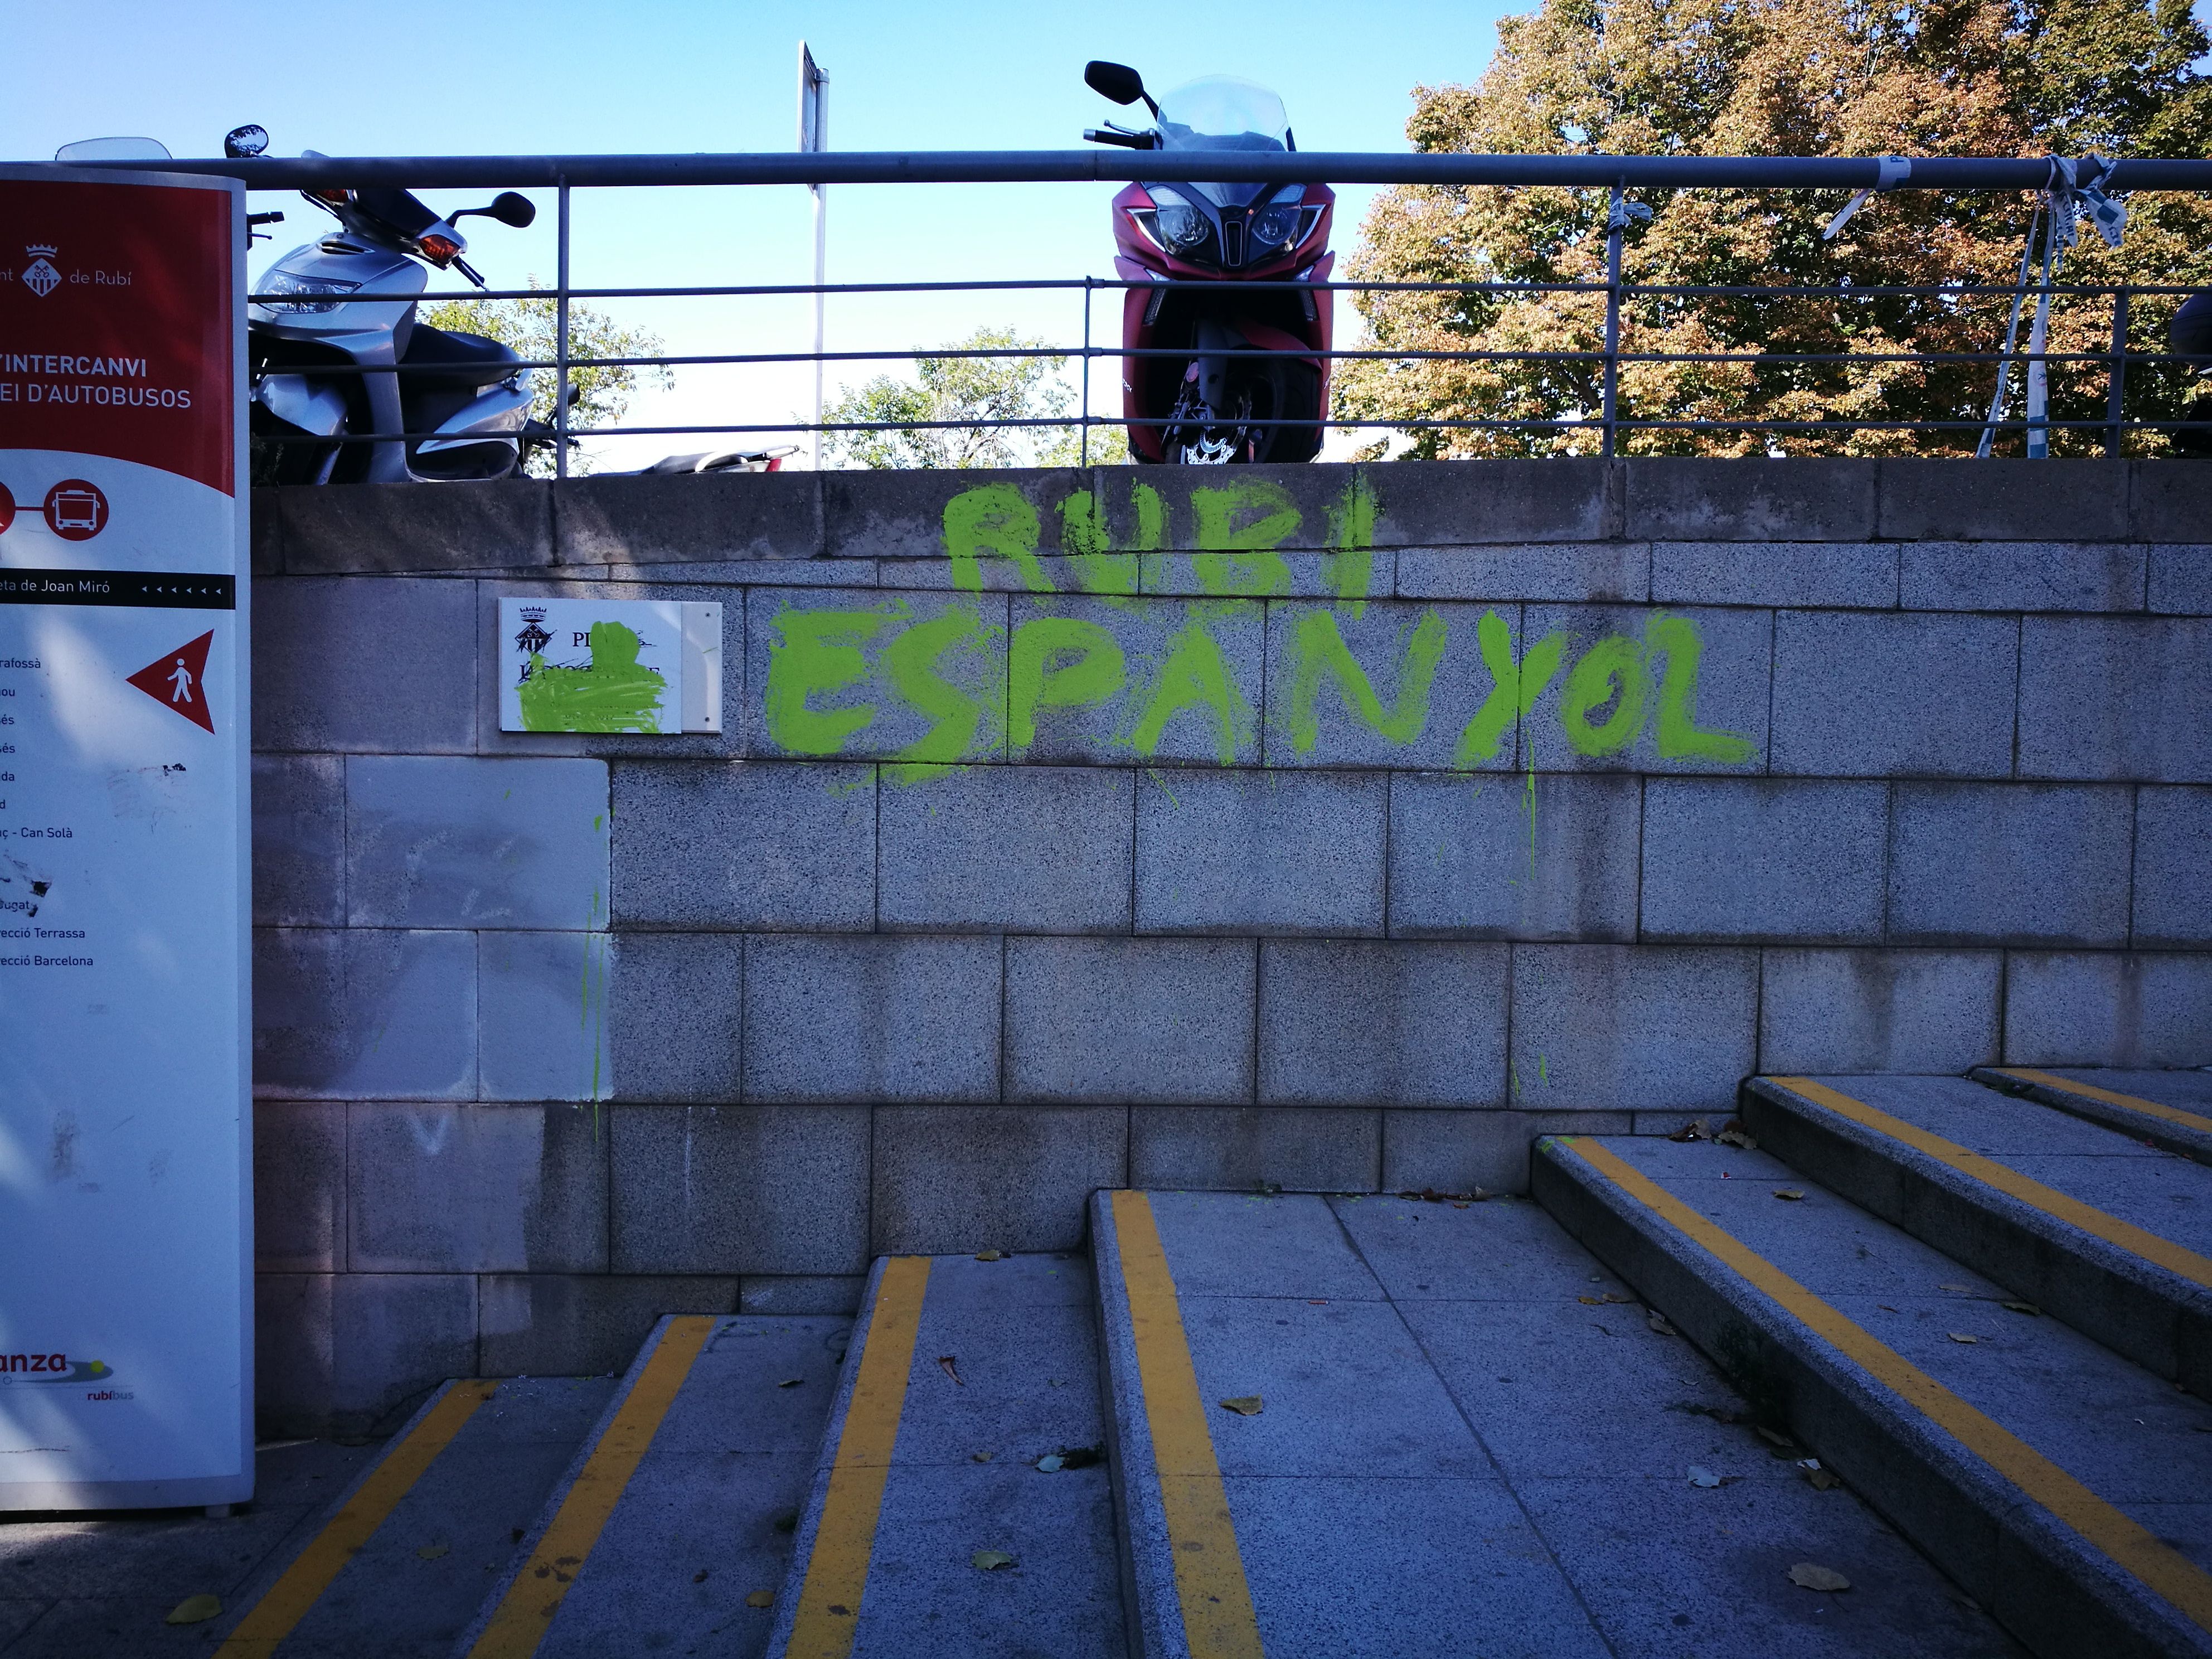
[125, 1203]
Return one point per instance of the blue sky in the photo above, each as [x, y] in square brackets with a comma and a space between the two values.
[405, 77]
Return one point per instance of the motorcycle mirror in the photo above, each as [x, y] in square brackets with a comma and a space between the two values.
[241, 142]
[1117, 81]
[113, 149]
[508, 207]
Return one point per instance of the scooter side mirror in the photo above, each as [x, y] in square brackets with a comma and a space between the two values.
[240, 144]
[508, 207]
[1116, 82]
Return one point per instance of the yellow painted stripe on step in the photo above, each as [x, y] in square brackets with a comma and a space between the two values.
[2160, 1569]
[273, 1617]
[1217, 1620]
[2164, 1252]
[525, 1611]
[845, 1539]
[2110, 1097]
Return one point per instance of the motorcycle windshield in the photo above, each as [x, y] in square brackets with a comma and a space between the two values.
[1222, 112]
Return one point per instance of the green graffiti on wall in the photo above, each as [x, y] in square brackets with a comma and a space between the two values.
[930, 690]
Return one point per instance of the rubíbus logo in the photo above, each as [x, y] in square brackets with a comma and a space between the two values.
[40, 276]
[49, 1370]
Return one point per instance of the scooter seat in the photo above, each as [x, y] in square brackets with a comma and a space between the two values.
[438, 359]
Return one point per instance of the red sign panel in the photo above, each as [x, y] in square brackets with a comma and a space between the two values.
[116, 326]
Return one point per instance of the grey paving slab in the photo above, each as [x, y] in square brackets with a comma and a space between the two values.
[1245, 1244]
[365, 1013]
[1255, 1148]
[436, 841]
[2116, 697]
[1251, 852]
[299, 1186]
[1347, 1566]
[489, 1482]
[419, 695]
[1043, 849]
[1764, 859]
[990, 1177]
[677, 1016]
[1386, 1022]
[2022, 575]
[1830, 499]
[1877, 1011]
[1131, 1020]
[2172, 902]
[2048, 866]
[1863, 695]
[542, 1005]
[1857, 575]
[1457, 1151]
[758, 844]
[1549, 856]
[2108, 1008]
[2181, 579]
[299, 840]
[1983, 1120]
[739, 1189]
[837, 1018]
[1499, 1250]
[1669, 1571]
[730, 1456]
[1602, 1027]
[1573, 572]
[2189, 1090]
[476, 1188]
[559, 1324]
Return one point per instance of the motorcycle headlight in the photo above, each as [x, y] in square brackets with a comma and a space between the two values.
[284, 281]
[1276, 224]
[1174, 223]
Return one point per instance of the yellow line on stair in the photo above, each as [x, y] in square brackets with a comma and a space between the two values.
[2091, 1091]
[273, 1617]
[845, 1539]
[525, 1613]
[2162, 1570]
[1217, 1620]
[2163, 1252]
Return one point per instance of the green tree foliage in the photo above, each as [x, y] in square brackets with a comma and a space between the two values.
[531, 328]
[963, 389]
[1783, 77]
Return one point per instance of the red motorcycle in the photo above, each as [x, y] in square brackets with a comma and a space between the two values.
[1219, 366]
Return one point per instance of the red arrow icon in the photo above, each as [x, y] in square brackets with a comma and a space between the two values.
[175, 679]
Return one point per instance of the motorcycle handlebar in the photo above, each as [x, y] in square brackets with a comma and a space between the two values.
[1126, 140]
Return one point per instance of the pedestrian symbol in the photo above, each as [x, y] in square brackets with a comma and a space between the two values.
[177, 679]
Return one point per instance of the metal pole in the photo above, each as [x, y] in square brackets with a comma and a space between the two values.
[813, 138]
[561, 346]
[2116, 380]
[1084, 457]
[821, 277]
[1615, 220]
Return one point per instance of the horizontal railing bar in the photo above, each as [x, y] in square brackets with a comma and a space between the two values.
[1122, 166]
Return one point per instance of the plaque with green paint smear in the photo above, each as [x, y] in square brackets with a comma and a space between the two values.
[648, 666]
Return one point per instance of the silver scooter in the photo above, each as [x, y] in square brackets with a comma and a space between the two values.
[462, 399]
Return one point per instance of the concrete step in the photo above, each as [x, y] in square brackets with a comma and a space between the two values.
[666, 1519]
[400, 1562]
[2062, 1485]
[960, 1502]
[2170, 1109]
[2102, 1230]
[1456, 1432]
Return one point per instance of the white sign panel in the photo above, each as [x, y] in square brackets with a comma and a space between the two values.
[642, 665]
[126, 1374]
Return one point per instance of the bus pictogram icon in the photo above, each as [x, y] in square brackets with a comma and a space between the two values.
[76, 510]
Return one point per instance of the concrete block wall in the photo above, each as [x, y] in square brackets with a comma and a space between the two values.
[1332, 829]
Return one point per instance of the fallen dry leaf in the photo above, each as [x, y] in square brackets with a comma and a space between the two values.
[194, 1610]
[990, 1560]
[984, 1457]
[1805, 1575]
[1702, 1476]
[1822, 1480]
[1773, 1436]
[1050, 1463]
[1244, 1405]
[1966, 1290]
[1732, 1134]
[990, 1256]
[1658, 1323]
[945, 1363]
[790, 1383]
[1960, 1336]
[432, 1552]
[1791, 1192]
[761, 1599]
[2028, 1308]
[1693, 1130]
[700, 1577]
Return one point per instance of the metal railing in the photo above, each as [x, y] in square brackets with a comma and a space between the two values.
[1600, 413]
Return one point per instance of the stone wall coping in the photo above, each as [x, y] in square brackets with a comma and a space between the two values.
[583, 526]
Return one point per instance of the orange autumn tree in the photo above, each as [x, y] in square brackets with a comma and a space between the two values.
[1783, 77]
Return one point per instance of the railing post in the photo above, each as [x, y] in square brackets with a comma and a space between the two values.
[1615, 222]
[560, 342]
[2116, 377]
[1083, 450]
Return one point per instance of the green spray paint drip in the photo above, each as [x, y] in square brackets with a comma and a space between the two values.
[1152, 517]
[993, 519]
[613, 695]
[1677, 735]
[1317, 649]
[1348, 570]
[961, 725]
[1239, 527]
[1059, 662]
[817, 650]
[1515, 683]
[1195, 675]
